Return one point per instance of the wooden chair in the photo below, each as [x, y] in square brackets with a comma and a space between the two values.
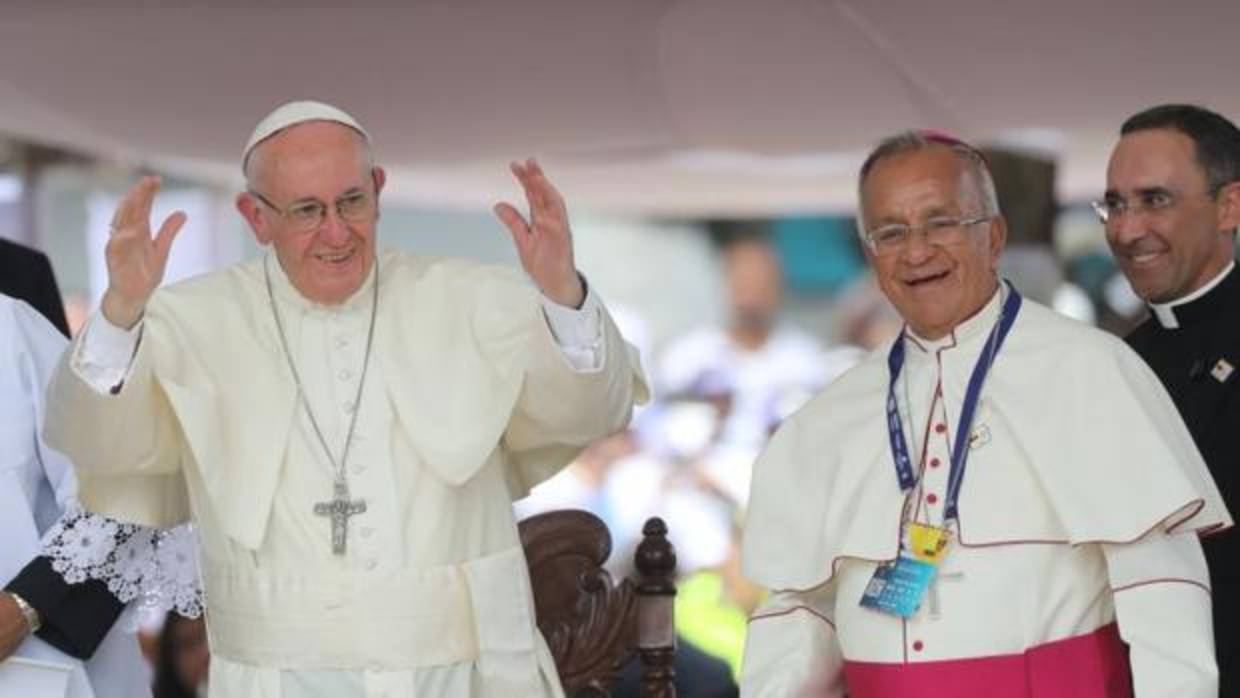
[592, 625]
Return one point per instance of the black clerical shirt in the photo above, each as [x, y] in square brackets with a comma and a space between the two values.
[1199, 364]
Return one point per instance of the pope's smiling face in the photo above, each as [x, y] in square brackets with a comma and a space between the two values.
[316, 164]
[934, 287]
[1175, 235]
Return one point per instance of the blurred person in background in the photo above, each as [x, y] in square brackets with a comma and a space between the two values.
[866, 318]
[182, 658]
[1063, 562]
[755, 372]
[1035, 267]
[757, 362]
[1171, 209]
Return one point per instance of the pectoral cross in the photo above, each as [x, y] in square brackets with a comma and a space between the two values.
[935, 611]
[340, 508]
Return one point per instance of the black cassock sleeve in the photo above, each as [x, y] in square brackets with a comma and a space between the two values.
[75, 617]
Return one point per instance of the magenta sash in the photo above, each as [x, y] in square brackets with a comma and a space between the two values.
[1085, 666]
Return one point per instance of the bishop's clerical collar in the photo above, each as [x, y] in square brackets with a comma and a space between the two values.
[1184, 310]
[978, 325]
[287, 292]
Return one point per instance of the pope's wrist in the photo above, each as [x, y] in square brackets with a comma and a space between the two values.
[121, 313]
[570, 295]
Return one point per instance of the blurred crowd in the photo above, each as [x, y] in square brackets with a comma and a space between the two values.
[688, 457]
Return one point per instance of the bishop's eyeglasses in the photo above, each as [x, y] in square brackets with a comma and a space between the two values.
[940, 231]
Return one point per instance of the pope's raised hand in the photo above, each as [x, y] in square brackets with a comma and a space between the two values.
[136, 261]
[544, 241]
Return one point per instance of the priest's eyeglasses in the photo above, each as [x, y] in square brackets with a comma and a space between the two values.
[306, 216]
[940, 231]
[1153, 200]
[1114, 206]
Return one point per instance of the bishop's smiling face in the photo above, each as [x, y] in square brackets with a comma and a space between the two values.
[934, 287]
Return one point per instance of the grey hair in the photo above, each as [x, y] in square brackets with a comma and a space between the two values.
[255, 159]
[913, 141]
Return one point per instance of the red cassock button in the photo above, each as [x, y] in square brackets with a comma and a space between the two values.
[934, 462]
[932, 498]
[917, 645]
[940, 428]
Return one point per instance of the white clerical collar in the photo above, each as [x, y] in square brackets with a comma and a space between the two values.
[1165, 312]
[979, 324]
[286, 291]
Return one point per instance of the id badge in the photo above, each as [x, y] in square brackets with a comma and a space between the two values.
[897, 588]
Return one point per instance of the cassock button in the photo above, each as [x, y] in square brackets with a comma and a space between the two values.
[345, 374]
[932, 498]
[935, 462]
[917, 645]
[940, 428]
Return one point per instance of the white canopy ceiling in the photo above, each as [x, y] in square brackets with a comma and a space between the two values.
[681, 107]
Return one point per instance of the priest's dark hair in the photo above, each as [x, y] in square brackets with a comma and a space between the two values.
[1217, 140]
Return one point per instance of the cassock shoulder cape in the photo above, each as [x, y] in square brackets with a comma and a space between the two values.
[1083, 445]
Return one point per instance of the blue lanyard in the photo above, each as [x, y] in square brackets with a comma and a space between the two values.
[895, 428]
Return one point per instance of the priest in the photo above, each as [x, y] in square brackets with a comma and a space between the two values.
[1171, 209]
[1003, 503]
[347, 425]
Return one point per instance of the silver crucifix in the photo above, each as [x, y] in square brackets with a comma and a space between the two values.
[340, 508]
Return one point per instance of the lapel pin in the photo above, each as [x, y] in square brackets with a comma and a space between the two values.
[1222, 370]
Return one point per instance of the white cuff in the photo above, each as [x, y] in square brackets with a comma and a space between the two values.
[105, 353]
[577, 332]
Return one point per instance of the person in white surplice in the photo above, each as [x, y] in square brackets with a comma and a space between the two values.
[59, 629]
[347, 426]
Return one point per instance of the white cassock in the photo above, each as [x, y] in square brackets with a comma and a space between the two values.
[36, 486]
[470, 399]
[1081, 507]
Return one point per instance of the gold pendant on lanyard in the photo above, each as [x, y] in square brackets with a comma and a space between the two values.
[928, 543]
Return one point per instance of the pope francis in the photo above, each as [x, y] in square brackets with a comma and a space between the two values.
[347, 426]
